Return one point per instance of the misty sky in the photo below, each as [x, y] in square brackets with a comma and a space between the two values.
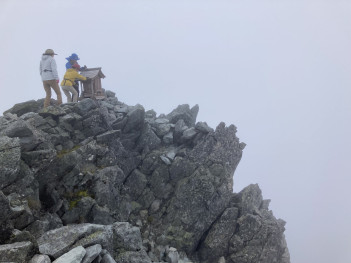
[278, 70]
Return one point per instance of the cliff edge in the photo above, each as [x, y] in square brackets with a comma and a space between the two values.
[102, 181]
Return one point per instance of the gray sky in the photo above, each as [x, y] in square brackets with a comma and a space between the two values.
[278, 70]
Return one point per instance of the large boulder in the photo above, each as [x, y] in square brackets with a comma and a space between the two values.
[246, 232]
[183, 112]
[115, 238]
[73, 256]
[24, 107]
[135, 119]
[10, 156]
[20, 252]
[6, 225]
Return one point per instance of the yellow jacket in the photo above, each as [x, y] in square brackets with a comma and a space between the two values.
[69, 77]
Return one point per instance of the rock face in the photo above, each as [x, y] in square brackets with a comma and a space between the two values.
[101, 181]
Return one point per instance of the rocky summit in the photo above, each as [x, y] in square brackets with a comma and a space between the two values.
[102, 181]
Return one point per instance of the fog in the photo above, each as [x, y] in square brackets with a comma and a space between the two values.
[278, 70]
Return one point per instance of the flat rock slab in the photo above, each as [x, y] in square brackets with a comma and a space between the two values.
[59, 241]
[73, 256]
[92, 252]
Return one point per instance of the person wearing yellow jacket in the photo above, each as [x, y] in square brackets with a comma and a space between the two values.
[68, 81]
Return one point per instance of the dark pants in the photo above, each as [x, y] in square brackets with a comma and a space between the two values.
[76, 87]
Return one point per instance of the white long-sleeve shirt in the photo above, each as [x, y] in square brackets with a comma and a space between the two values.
[48, 68]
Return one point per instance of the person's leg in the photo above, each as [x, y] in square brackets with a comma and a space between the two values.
[67, 93]
[57, 90]
[74, 94]
[47, 89]
[76, 87]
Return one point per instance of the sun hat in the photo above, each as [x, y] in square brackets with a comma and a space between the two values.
[49, 52]
[74, 56]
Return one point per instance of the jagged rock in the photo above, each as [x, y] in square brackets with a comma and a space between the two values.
[73, 256]
[79, 212]
[171, 154]
[135, 119]
[106, 190]
[172, 255]
[180, 169]
[249, 199]
[127, 237]
[185, 113]
[98, 259]
[179, 128]
[221, 147]
[160, 121]
[110, 94]
[165, 160]
[26, 181]
[46, 223]
[119, 123]
[21, 236]
[94, 123]
[107, 259]
[242, 145]
[216, 243]
[188, 134]
[135, 184]
[257, 225]
[133, 257]
[91, 253]
[33, 119]
[10, 155]
[160, 182]
[22, 215]
[31, 158]
[59, 241]
[6, 226]
[52, 111]
[40, 259]
[148, 141]
[20, 252]
[116, 237]
[168, 138]
[21, 108]
[84, 106]
[203, 127]
[150, 114]
[107, 105]
[170, 177]
[163, 129]
[189, 217]
[108, 136]
[101, 215]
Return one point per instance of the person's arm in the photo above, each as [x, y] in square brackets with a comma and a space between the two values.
[80, 77]
[54, 69]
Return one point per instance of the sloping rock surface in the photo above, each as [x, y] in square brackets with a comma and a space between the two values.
[102, 181]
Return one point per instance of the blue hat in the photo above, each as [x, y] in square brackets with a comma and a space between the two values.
[74, 56]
